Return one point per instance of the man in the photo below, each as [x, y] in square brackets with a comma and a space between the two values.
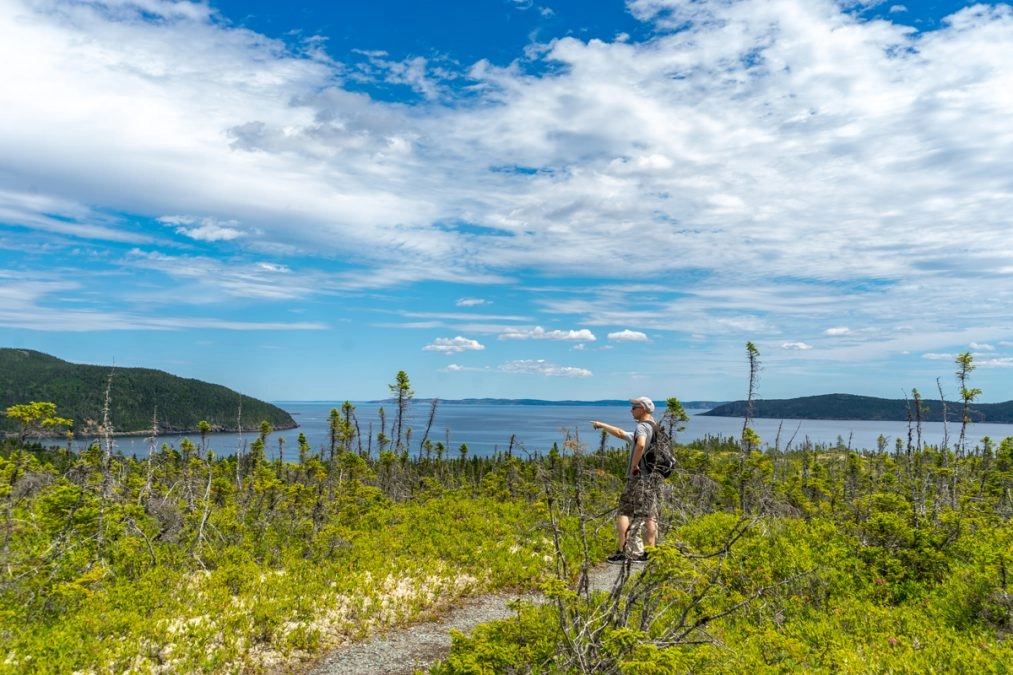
[639, 500]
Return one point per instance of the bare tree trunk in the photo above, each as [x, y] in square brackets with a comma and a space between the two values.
[918, 419]
[943, 487]
[946, 417]
[748, 435]
[151, 452]
[105, 467]
[429, 423]
[239, 445]
[199, 544]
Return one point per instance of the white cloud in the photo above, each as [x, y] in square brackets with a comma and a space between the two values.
[38, 306]
[470, 302]
[204, 229]
[61, 216]
[539, 333]
[979, 347]
[454, 345]
[273, 267]
[999, 362]
[695, 133]
[748, 139]
[416, 72]
[542, 367]
[796, 346]
[628, 336]
[458, 316]
[197, 275]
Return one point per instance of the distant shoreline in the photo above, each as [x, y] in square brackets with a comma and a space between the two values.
[695, 405]
[843, 407]
[140, 434]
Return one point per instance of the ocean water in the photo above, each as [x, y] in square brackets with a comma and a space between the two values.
[529, 429]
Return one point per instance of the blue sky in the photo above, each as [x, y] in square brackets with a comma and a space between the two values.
[559, 200]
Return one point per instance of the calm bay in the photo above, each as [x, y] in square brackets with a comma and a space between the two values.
[488, 428]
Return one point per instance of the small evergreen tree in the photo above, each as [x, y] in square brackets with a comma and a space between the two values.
[402, 391]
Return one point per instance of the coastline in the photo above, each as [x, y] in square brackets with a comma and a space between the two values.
[142, 433]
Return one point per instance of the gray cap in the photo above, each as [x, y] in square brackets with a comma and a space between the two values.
[647, 403]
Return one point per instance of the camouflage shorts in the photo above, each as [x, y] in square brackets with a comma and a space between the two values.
[640, 497]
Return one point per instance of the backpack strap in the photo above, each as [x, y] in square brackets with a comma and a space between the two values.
[654, 435]
[655, 425]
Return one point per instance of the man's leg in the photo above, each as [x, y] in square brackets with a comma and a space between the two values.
[650, 532]
[622, 527]
[653, 504]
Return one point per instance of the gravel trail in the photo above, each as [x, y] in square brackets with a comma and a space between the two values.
[408, 649]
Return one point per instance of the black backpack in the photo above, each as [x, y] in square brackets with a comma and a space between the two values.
[658, 457]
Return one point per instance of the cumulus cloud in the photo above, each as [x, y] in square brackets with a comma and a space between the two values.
[628, 336]
[539, 333]
[796, 346]
[454, 345]
[837, 331]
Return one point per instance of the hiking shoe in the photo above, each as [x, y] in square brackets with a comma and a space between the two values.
[642, 558]
[617, 558]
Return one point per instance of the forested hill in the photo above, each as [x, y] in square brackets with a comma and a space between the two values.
[851, 407]
[136, 397]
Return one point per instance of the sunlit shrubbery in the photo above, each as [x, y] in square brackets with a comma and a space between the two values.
[841, 562]
[819, 559]
[188, 563]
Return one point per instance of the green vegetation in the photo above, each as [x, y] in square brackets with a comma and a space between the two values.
[187, 562]
[37, 419]
[139, 399]
[838, 562]
[820, 559]
[841, 562]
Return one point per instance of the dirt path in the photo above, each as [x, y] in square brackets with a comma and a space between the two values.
[412, 648]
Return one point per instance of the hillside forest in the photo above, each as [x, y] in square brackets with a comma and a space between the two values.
[821, 559]
[101, 399]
